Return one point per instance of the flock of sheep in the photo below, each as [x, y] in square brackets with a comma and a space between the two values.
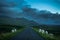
[46, 32]
[13, 30]
[40, 31]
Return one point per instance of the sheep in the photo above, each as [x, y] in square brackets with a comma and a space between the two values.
[40, 30]
[43, 31]
[13, 31]
[46, 32]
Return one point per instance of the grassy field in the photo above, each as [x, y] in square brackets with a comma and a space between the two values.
[5, 31]
[51, 29]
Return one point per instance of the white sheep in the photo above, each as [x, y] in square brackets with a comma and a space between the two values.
[46, 32]
[13, 31]
[43, 31]
[40, 30]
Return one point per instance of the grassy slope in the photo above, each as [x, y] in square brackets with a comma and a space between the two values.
[46, 36]
[8, 35]
[55, 29]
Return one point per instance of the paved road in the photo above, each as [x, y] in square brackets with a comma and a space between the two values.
[27, 34]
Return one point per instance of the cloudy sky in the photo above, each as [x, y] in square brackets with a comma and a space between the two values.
[51, 5]
[16, 12]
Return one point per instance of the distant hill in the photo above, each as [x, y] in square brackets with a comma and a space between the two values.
[17, 21]
[31, 16]
[43, 16]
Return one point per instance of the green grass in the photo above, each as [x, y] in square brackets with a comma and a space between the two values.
[7, 36]
[55, 29]
[5, 31]
[44, 35]
[57, 37]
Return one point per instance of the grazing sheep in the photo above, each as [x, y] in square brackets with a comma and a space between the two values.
[13, 31]
[43, 31]
[40, 30]
[46, 32]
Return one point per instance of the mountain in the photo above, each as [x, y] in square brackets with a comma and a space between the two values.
[32, 17]
[43, 16]
[17, 21]
[50, 17]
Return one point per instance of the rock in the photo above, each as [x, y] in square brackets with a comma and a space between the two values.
[51, 34]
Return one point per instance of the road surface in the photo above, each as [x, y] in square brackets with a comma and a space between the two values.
[27, 34]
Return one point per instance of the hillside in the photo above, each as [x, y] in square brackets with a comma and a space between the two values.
[17, 21]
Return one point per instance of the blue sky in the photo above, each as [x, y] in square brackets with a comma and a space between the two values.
[50, 5]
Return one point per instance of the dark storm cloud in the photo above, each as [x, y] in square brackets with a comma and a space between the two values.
[11, 7]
